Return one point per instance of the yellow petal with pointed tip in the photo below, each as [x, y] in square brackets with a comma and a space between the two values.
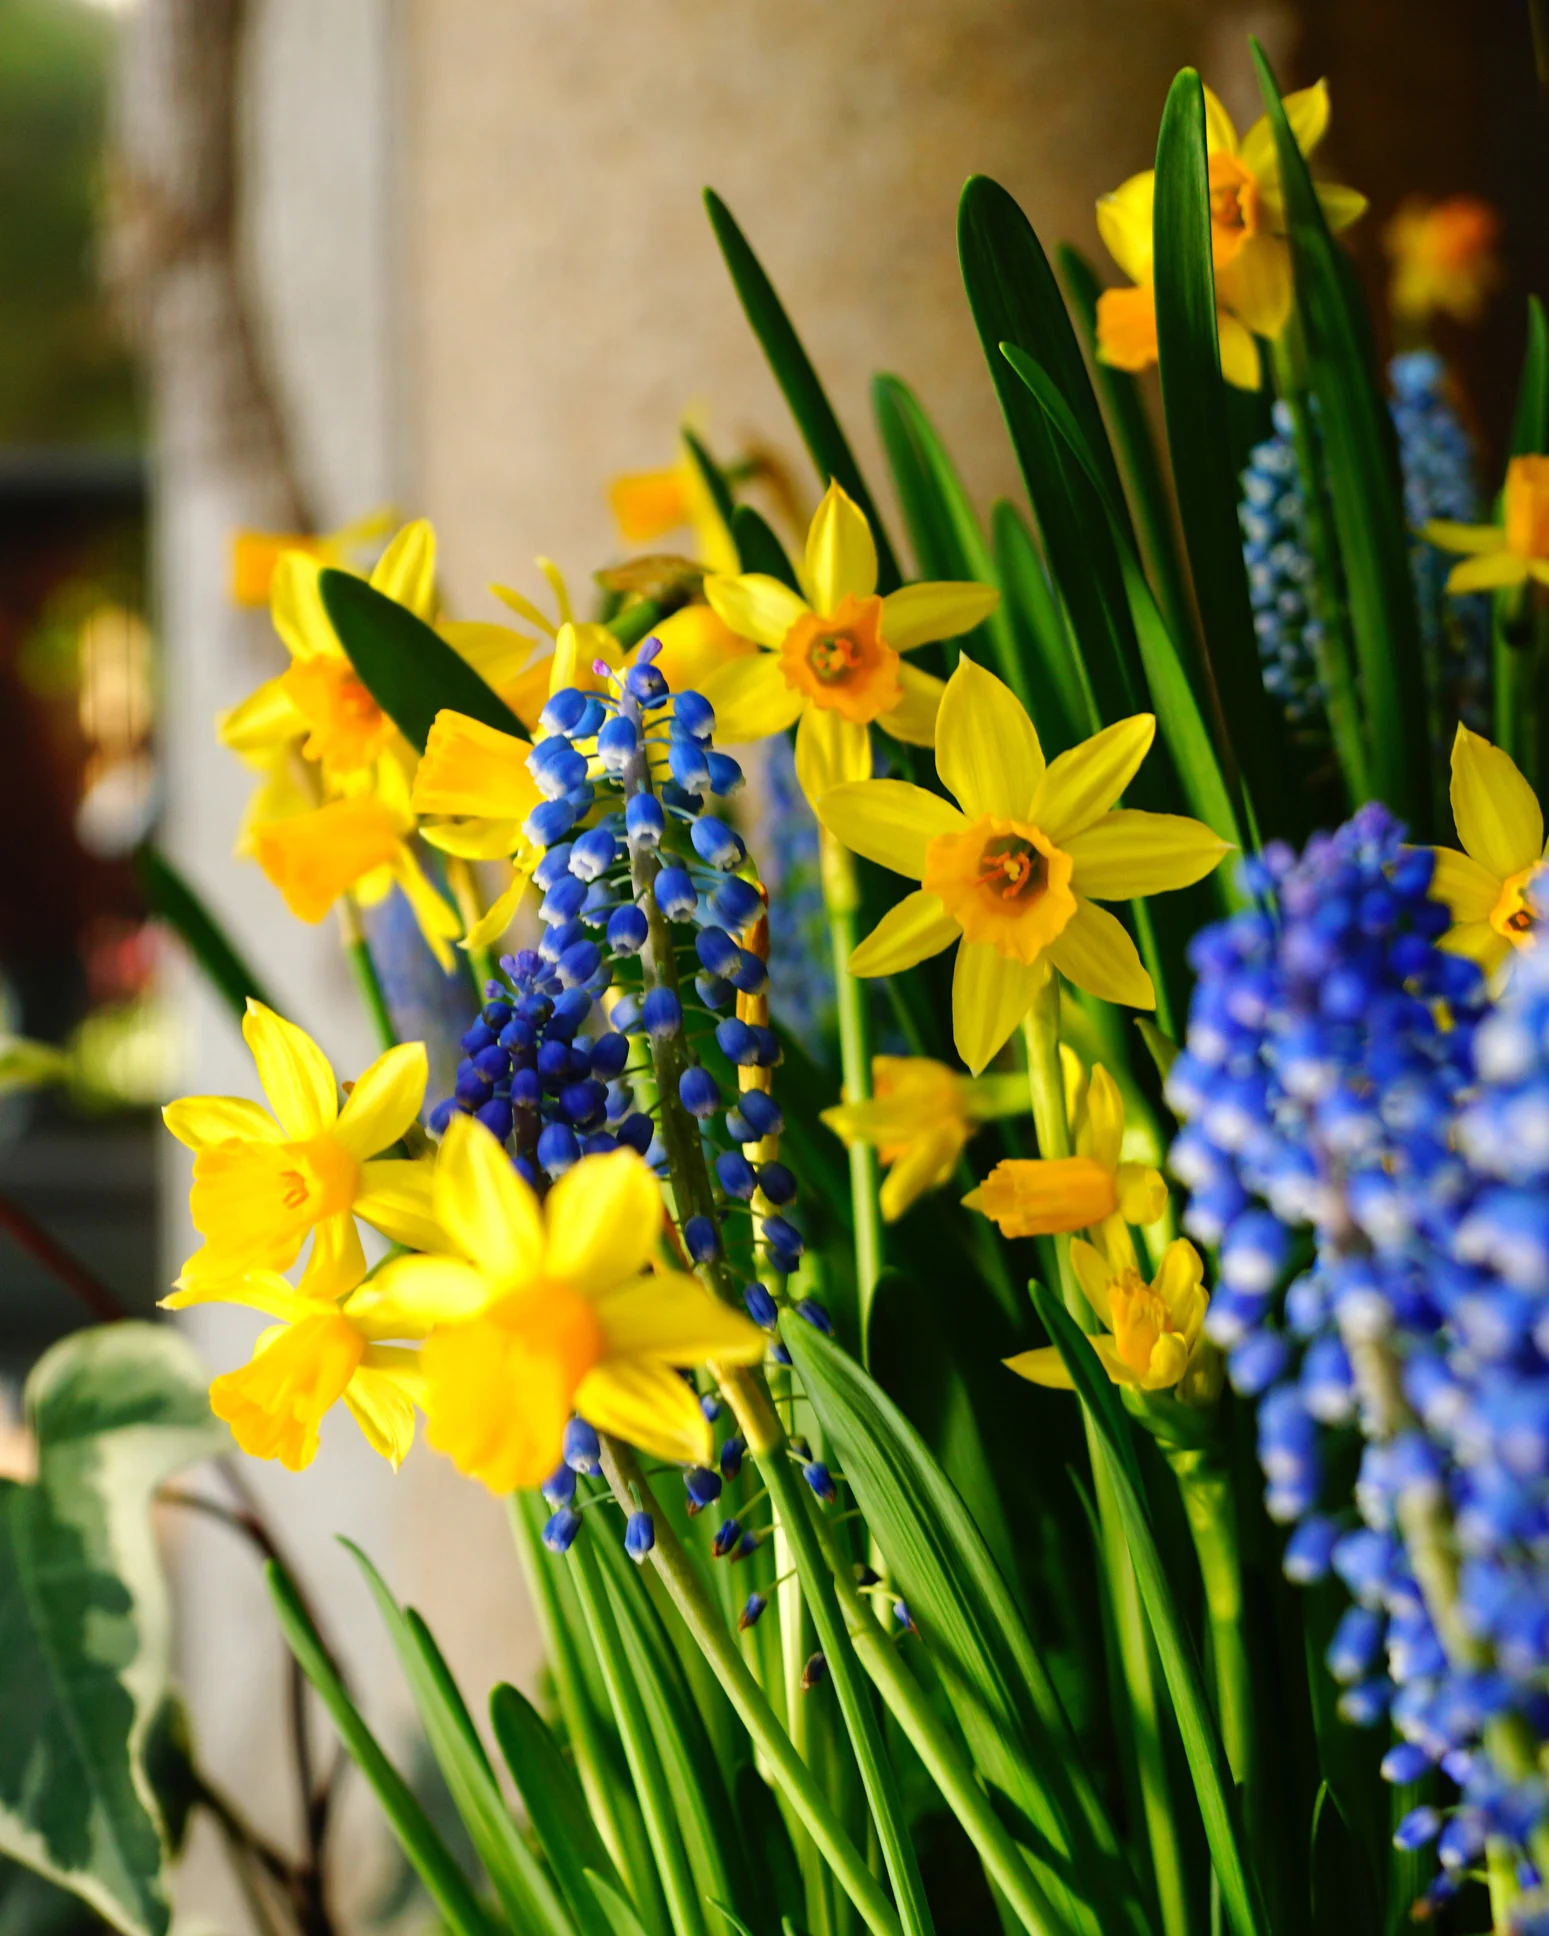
[266, 719]
[294, 1071]
[925, 1164]
[1095, 952]
[1128, 853]
[1124, 221]
[1463, 537]
[755, 606]
[384, 1101]
[1489, 572]
[410, 1296]
[918, 614]
[1341, 206]
[484, 1206]
[889, 821]
[1083, 783]
[914, 720]
[313, 858]
[1220, 129]
[696, 642]
[649, 1406]
[499, 915]
[1499, 821]
[751, 698]
[1307, 112]
[438, 920]
[396, 1196]
[987, 749]
[406, 570]
[1257, 287]
[1142, 1193]
[604, 1220]
[1043, 1367]
[199, 1120]
[381, 1407]
[1479, 941]
[841, 558]
[919, 926]
[830, 750]
[337, 1262]
[469, 768]
[1092, 1274]
[990, 995]
[296, 607]
[673, 1318]
[1468, 889]
[1104, 1118]
[1240, 363]
[501, 657]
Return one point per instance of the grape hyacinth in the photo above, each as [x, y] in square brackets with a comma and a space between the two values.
[800, 963]
[1359, 1118]
[1272, 514]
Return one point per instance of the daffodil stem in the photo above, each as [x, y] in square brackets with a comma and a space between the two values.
[470, 908]
[700, 1614]
[841, 901]
[363, 963]
[1046, 1086]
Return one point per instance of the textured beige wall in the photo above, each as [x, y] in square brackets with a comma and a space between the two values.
[566, 299]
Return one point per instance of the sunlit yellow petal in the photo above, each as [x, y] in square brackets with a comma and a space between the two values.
[1341, 206]
[406, 570]
[296, 607]
[198, 1120]
[1220, 129]
[1258, 284]
[395, 1196]
[917, 927]
[437, 919]
[1126, 328]
[648, 504]
[696, 642]
[266, 719]
[1092, 1273]
[409, 1296]
[384, 1101]
[990, 995]
[484, 1206]
[500, 913]
[914, 721]
[647, 1405]
[313, 858]
[1095, 952]
[673, 1318]
[1463, 537]
[258, 1290]
[1104, 1119]
[1468, 889]
[1045, 1196]
[381, 1407]
[336, 1262]
[1240, 361]
[1499, 821]
[1124, 221]
[498, 655]
[473, 839]
[1043, 1367]
[925, 1164]
[524, 608]
[987, 750]
[1127, 853]
[1307, 112]
[471, 768]
[604, 1219]
[917, 614]
[294, 1071]
[841, 555]
[755, 606]
[1479, 941]
[1489, 572]
[1142, 1193]
[889, 821]
[830, 750]
[751, 699]
[1083, 783]
[1180, 1276]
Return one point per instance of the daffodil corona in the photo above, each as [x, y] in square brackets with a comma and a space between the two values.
[1152, 1338]
[1013, 871]
[1501, 827]
[832, 663]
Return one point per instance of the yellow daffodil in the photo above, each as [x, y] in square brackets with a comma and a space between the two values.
[255, 554]
[1049, 1195]
[477, 776]
[646, 505]
[831, 664]
[1153, 1338]
[1444, 259]
[549, 1309]
[302, 1366]
[1501, 827]
[1507, 554]
[263, 1183]
[919, 1118]
[1248, 246]
[1013, 871]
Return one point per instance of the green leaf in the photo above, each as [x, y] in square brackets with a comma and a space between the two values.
[555, 1806]
[622, 1920]
[711, 476]
[1227, 679]
[798, 381]
[85, 1625]
[1064, 707]
[170, 898]
[943, 528]
[1364, 484]
[1530, 419]
[1180, 1664]
[759, 549]
[1012, 1720]
[429, 1856]
[525, 1892]
[407, 667]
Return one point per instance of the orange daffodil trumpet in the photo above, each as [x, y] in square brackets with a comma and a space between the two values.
[831, 664]
[1249, 251]
[1012, 873]
[1501, 828]
[919, 1119]
[1502, 555]
[543, 1310]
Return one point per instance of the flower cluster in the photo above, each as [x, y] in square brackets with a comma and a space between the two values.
[1272, 515]
[1356, 1113]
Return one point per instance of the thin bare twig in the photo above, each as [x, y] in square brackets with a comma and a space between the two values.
[64, 1268]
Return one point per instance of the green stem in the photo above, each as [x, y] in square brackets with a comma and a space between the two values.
[841, 901]
[470, 909]
[692, 1599]
[358, 948]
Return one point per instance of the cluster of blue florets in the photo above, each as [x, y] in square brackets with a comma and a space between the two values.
[800, 949]
[1361, 1120]
[1272, 514]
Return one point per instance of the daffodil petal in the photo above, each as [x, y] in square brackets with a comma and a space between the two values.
[752, 699]
[1043, 1367]
[830, 750]
[1257, 285]
[499, 915]
[1092, 1273]
[987, 750]
[410, 1296]
[337, 1261]
[1127, 853]
[914, 721]
[406, 570]
[604, 1219]
[1124, 221]
[1307, 112]
[1341, 206]
[469, 768]
[990, 995]
[889, 821]
[1463, 537]
[383, 1410]
[1478, 941]
[294, 1072]
[649, 1406]
[200, 1120]
[917, 927]
[396, 1196]
[1220, 130]
[1240, 362]
[501, 657]
[484, 1206]
[384, 1101]
[673, 1318]
[296, 607]
[437, 919]
[841, 558]
[754, 605]
[1468, 889]
[264, 720]
[1499, 821]
[259, 1290]
[1095, 952]
[1488, 572]
[1104, 1118]
[917, 614]
[1083, 783]
[925, 1164]
[1180, 1275]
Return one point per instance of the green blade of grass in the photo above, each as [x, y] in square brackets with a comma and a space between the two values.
[170, 898]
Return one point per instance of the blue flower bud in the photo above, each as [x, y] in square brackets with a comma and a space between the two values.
[761, 1307]
[584, 1104]
[735, 1175]
[716, 844]
[580, 1446]
[737, 1042]
[601, 900]
[526, 1170]
[814, 1670]
[645, 683]
[731, 1455]
[559, 1487]
[678, 800]
[579, 963]
[565, 934]
[1356, 1643]
[1419, 1827]
[553, 1058]
[495, 1115]
[818, 1476]
[779, 1355]
[636, 1132]
[662, 1013]
[904, 1617]
[617, 743]
[1258, 1362]
[1405, 1761]
[472, 1088]
[711, 1407]
[549, 822]
[557, 767]
[701, 1239]
[698, 1094]
[480, 1036]
[689, 768]
[639, 1536]
[1309, 1549]
[786, 1243]
[553, 867]
[751, 974]
[714, 992]
[562, 712]
[753, 1607]
[560, 1532]
[693, 714]
[777, 1183]
[726, 777]
[816, 1316]
[628, 929]
[564, 900]
[716, 950]
[726, 1537]
[592, 717]
[703, 1487]
[735, 904]
[492, 1063]
[644, 821]
[557, 1149]
[610, 1053]
[759, 1117]
[676, 894]
[518, 1036]
[1253, 1252]
[593, 853]
[440, 1116]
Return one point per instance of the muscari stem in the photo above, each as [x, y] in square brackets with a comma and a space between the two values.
[363, 963]
[841, 901]
[1046, 1087]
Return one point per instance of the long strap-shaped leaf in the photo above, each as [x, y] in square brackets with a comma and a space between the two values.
[171, 899]
[555, 1806]
[429, 1856]
[1240, 1891]
[1530, 419]
[1365, 485]
[1228, 679]
[799, 382]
